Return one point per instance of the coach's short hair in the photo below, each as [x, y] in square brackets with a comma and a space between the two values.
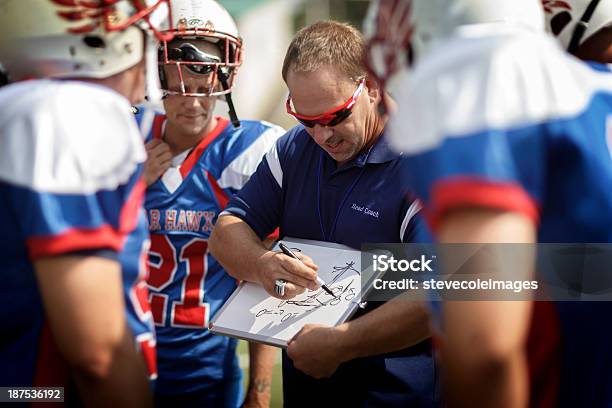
[326, 43]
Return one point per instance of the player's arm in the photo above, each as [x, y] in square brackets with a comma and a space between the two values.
[261, 365]
[83, 299]
[483, 349]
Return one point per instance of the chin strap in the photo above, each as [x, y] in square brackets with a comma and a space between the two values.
[3, 77]
[228, 97]
[581, 27]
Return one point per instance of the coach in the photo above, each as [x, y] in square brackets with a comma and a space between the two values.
[316, 184]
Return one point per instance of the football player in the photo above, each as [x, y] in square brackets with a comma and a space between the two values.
[71, 163]
[507, 140]
[196, 162]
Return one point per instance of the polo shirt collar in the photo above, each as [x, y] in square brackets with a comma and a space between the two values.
[380, 152]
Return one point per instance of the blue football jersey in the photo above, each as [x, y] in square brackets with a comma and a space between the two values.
[187, 285]
[135, 270]
[509, 121]
[70, 181]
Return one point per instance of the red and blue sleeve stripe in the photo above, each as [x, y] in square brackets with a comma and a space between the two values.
[54, 224]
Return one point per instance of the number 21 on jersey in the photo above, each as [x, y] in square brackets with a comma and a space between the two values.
[189, 310]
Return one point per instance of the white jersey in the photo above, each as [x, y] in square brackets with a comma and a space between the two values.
[70, 181]
[504, 119]
[82, 136]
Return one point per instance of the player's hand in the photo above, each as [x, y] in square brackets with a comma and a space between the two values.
[299, 275]
[158, 161]
[314, 350]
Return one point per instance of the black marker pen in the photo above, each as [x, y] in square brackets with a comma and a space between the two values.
[288, 252]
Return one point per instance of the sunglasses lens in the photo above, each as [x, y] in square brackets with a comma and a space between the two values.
[336, 120]
[331, 118]
[340, 117]
[189, 53]
[307, 123]
[199, 69]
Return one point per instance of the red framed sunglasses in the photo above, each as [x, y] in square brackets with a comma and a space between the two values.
[332, 117]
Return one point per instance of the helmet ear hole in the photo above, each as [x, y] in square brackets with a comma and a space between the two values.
[94, 41]
[559, 21]
[410, 54]
[3, 77]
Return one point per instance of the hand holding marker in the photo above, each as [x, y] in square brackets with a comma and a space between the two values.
[279, 286]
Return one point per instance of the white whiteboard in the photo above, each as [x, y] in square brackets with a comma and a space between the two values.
[251, 314]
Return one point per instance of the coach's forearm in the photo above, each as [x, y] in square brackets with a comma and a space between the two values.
[237, 248]
[393, 326]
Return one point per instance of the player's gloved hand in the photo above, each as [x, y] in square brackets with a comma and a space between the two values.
[158, 161]
[299, 275]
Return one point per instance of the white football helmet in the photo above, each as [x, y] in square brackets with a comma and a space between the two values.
[75, 38]
[390, 42]
[437, 19]
[201, 20]
[574, 21]
[400, 30]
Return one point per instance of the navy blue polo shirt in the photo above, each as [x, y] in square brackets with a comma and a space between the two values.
[300, 188]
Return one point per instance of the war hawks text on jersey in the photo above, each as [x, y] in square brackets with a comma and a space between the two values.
[187, 285]
[507, 120]
[66, 185]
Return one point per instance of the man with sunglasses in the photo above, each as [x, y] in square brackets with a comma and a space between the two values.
[333, 178]
[196, 162]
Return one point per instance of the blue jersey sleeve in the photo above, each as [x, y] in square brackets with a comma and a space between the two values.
[55, 224]
[478, 135]
[500, 169]
[259, 203]
[242, 151]
[76, 184]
